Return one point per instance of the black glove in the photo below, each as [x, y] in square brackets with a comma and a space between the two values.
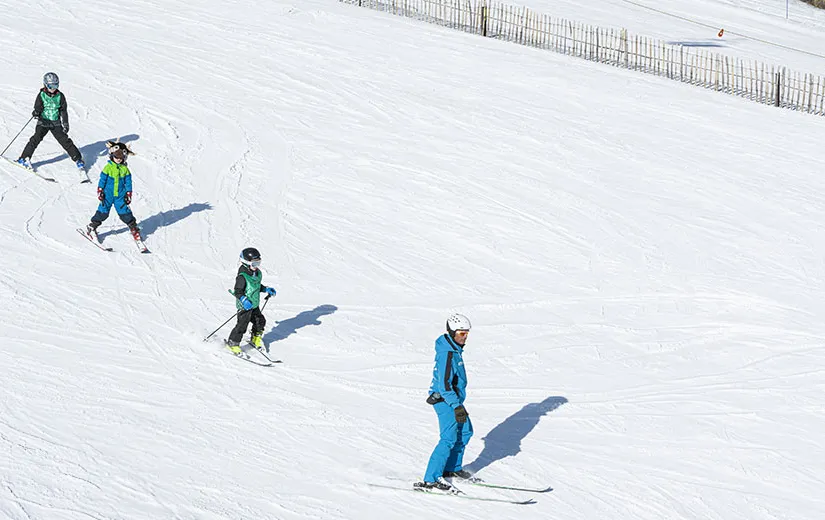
[36, 114]
[461, 414]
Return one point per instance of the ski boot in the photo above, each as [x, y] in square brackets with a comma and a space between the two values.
[91, 229]
[25, 163]
[135, 232]
[435, 487]
[234, 347]
[257, 341]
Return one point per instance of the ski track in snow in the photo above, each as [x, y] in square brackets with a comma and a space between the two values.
[653, 270]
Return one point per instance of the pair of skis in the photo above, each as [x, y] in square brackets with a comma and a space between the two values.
[458, 493]
[95, 239]
[244, 355]
[84, 175]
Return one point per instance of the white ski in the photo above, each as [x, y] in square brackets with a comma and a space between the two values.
[94, 240]
[461, 495]
[30, 170]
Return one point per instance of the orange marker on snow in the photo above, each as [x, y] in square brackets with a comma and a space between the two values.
[721, 33]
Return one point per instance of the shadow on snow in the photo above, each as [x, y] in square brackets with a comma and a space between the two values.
[90, 152]
[162, 219]
[290, 326]
[505, 439]
[698, 43]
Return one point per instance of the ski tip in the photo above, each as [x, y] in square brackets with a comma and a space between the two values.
[513, 488]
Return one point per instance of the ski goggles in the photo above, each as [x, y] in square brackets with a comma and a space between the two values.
[52, 86]
[255, 263]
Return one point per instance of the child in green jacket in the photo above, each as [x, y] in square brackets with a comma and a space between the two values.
[50, 111]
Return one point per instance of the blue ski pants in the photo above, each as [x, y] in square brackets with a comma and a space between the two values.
[448, 454]
[123, 210]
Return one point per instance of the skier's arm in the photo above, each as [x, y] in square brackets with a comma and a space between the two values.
[240, 287]
[101, 185]
[127, 185]
[444, 378]
[64, 113]
[127, 182]
[38, 106]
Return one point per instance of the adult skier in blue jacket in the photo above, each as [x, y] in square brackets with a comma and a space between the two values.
[447, 394]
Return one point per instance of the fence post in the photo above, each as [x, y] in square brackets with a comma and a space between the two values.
[624, 46]
[810, 83]
[778, 88]
[484, 19]
[598, 55]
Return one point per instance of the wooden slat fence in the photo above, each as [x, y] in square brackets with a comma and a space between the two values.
[749, 79]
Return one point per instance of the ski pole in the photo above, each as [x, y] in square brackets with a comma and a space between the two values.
[261, 352]
[18, 135]
[224, 323]
[233, 317]
[268, 296]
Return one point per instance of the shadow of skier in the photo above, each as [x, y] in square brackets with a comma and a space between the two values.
[290, 326]
[505, 439]
[162, 219]
[90, 152]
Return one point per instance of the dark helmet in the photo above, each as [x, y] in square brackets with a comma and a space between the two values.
[251, 257]
[50, 80]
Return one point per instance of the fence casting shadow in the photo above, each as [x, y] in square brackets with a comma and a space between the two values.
[505, 439]
[290, 326]
[695, 43]
[162, 219]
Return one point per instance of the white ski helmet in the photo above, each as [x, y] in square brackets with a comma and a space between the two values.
[457, 322]
[50, 80]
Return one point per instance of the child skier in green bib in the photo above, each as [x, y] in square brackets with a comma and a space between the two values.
[248, 289]
[50, 111]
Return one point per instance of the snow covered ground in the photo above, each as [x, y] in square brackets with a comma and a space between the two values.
[642, 261]
[754, 29]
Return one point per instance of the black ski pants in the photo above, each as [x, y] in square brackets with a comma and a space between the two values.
[58, 133]
[258, 323]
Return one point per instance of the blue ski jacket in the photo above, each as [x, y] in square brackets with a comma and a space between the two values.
[449, 377]
[115, 180]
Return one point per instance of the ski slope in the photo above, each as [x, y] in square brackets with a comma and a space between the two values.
[774, 32]
[642, 262]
